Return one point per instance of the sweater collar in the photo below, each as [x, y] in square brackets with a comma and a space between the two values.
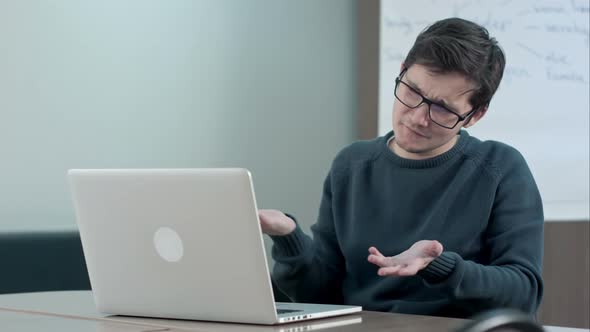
[425, 163]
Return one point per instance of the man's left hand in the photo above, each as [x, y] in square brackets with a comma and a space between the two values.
[409, 262]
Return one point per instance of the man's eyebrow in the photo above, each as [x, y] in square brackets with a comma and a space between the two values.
[413, 85]
[438, 101]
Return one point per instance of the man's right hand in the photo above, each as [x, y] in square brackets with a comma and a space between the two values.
[275, 222]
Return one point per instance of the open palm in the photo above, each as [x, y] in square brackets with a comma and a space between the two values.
[409, 262]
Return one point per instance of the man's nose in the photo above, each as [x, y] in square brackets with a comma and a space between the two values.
[419, 115]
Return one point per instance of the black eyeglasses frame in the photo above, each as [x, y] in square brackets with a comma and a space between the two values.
[428, 102]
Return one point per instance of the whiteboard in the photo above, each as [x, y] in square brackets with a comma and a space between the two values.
[542, 105]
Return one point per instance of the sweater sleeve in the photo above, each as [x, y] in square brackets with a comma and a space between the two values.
[309, 270]
[511, 275]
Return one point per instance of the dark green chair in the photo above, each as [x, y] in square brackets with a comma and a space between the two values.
[39, 261]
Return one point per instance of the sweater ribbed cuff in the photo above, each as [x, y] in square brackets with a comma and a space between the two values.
[292, 244]
[439, 269]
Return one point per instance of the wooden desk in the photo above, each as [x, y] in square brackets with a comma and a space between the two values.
[25, 322]
[75, 311]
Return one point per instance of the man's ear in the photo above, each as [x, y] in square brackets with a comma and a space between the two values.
[401, 67]
[475, 117]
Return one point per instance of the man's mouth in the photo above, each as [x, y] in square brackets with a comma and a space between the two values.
[416, 132]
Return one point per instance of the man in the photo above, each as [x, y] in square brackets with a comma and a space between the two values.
[426, 219]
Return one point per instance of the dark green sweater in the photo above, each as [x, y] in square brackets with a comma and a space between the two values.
[479, 200]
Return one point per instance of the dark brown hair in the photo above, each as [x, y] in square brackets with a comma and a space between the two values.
[458, 45]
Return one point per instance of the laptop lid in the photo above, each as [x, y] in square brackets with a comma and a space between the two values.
[178, 243]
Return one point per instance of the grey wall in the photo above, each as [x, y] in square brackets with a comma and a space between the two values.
[267, 85]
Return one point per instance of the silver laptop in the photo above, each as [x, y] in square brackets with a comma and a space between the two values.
[179, 243]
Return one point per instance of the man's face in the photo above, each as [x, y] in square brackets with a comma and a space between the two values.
[416, 136]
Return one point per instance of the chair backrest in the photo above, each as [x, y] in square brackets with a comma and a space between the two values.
[40, 261]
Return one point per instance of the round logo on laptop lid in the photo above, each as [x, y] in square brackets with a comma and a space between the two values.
[168, 244]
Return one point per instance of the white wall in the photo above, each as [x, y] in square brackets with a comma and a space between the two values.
[268, 85]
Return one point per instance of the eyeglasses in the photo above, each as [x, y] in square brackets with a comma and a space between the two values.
[439, 114]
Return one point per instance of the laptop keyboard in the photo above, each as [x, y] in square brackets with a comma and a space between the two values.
[287, 311]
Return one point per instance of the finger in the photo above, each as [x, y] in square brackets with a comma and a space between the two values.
[436, 249]
[429, 248]
[389, 271]
[381, 261]
[374, 251]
